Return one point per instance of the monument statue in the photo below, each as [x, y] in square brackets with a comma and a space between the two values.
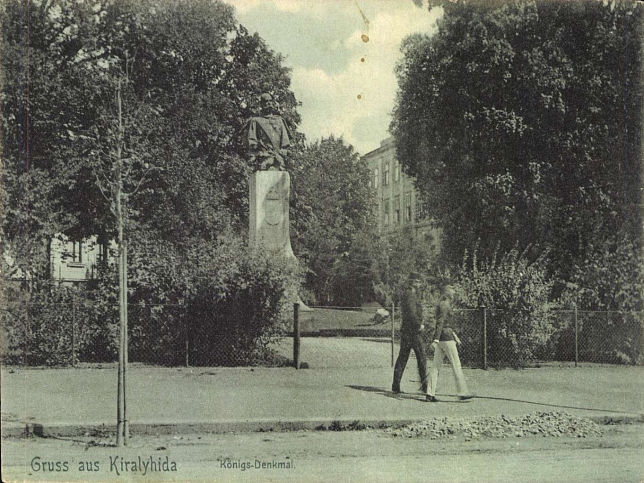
[267, 138]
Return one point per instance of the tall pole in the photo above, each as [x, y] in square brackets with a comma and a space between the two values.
[576, 337]
[484, 335]
[393, 334]
[120, 441]
[296, 335]
[74, 332]
[121, 427]
[187, 343]
[126, 422]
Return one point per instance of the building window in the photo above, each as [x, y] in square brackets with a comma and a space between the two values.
[396, 171]
[385, 175]
[386, 210]
[407, 206]
[397, 210]
[375, 178]
[73, 252]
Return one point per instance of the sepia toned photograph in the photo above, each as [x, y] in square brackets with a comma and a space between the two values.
[322, 240]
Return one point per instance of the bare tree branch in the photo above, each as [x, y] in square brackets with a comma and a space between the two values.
[141, 181]
[100, 187]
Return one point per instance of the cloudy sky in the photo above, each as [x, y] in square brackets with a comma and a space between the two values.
[342, 54]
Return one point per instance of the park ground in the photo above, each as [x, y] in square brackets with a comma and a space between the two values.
[200, 416]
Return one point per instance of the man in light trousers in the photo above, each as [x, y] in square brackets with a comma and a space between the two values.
[444, 344]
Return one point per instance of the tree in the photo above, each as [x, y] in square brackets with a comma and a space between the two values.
[32, 123]
[334, 213]
[521, 123]
[409, 250]
[124, 165]
[200, 72]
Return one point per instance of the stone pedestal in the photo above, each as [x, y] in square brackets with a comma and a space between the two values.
[268, 202]
[269, 205]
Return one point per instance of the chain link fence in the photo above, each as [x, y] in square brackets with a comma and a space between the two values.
[489, 338]
[598, 336]
[82, 330]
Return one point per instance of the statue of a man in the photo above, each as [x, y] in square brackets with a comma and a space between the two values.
[267, 138]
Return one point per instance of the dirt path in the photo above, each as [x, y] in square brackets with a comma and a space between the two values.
[335, 456]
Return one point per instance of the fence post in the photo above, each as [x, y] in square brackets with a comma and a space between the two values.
[296, 335]
[73, 332]
[576, 337]
[187, 336]
[393, 334]
[484, 335]
[24, 311]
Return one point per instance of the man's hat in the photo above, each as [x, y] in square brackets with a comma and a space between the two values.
[414, 277]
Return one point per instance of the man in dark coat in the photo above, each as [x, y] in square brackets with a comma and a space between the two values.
[410, 334]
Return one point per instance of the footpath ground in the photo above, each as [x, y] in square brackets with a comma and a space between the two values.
[183, 400]
[372, 455]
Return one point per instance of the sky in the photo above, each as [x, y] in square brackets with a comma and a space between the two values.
[342, 54]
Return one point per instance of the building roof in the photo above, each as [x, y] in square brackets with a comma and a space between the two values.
[385, 145]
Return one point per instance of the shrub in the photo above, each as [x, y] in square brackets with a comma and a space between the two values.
[516, 292]
[58, 325]
[227, 302]
[611, 277]
[611, 280]
[239, 306]
[223, 301]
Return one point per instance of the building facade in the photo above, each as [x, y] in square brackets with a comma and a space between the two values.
[77, 261]
[397, 202]
[70, 261]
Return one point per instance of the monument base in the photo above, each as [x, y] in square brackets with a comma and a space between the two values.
[268, 220]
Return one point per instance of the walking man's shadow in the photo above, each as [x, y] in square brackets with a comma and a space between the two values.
[420, 397]
[401, 395]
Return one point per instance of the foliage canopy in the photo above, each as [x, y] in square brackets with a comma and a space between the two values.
[521, 124]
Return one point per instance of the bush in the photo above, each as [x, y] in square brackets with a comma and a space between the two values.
[516, 292]
[610, 279]
[227, 302]
[610, 337]
[240, 306]
[58, 325]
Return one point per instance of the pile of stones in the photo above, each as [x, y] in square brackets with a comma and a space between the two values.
[540, 424]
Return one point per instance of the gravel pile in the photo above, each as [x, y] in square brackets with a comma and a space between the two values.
[535, 424]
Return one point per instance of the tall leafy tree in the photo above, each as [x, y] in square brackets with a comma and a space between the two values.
[521, 123]
[192, 68]
[334, 221]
